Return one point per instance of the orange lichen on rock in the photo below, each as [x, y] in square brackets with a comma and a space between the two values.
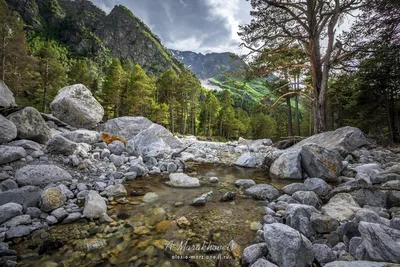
[109, 138]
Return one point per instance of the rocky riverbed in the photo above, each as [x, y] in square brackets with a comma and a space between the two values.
[127, 192]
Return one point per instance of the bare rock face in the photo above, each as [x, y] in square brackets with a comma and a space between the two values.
[76, 106]
[8, 131]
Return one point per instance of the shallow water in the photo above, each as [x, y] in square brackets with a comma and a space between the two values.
[150, 236]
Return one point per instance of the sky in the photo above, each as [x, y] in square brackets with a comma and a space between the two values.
[191, 25]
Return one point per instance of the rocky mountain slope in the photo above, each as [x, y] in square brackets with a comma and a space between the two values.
[209, 65]
[88, 31]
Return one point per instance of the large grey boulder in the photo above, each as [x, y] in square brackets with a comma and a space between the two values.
[182, 180]
[341, 207]
[30, 125]
[307, 198]
[83, 136]
[345, 139]
[9, 211]
[27, 196]
[298, 217]
[254, 252]
[11, 153]
[320, 162]
[287, 247]
[41, 175]
[6, 96]
[28, 145]
[61, 145]
[76, 106]
[156, 141]
[8, 130]
[95, 205]
[287, 166]
[247, 160]
[262, 192]
[379, 243]
[317, 185]
[126, 127]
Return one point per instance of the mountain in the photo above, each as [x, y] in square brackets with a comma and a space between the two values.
[209, 65]
[88, 31]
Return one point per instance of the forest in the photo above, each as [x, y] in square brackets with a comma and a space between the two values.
[354, 82]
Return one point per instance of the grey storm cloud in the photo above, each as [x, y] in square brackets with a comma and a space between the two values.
[194, 25]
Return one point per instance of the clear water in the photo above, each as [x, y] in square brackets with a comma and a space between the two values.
[150, 236]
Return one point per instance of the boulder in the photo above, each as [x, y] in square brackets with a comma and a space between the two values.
[11, 153]
[117, 190]
[323, 223]
[95, 205]
[8, 130]
[61, 145]
[341, 207]
[27, 196]
[30, 125]
[379, 243]
[323, 253]
[182, 180]
[293, 188]
[246, 160]
[83, 136]
[6, 96]
[343, 140]
[298, 217]
[287, 166]
[263, 263]
[262, 192]
[375, 198]
[320, 162]
[51, 199]
[244, 183]
[319, 186]
[28, 145]
[287, 247]
[18, 231]
[357, 264]
[156, 141]
[307, 198]
[116, 147]
[41, 175]
[9, 210]
[126, 127]
[202, 200]
[254, 252]
[76, 106]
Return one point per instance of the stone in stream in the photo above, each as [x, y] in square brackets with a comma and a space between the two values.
[51, 199]
[150, 197]
[11, 153]
[245, 183]
[8, 130]
[182, 180]
[18, 231]
[95, 205]
[287, 247]
[117, 190]
[262, 192]
[202, 200]
[246, 160]
[76, 106]
[228, 196]
[183, 222]
[214, 180]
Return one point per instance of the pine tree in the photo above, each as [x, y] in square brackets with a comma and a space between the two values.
[167, 93]
[112, 90]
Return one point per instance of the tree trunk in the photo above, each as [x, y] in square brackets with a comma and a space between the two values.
[296, 101]
[171, 119]
[289, 108]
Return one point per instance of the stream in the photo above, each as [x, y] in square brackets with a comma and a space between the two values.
[147, 234]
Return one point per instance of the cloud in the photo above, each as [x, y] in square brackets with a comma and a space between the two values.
[195, 25]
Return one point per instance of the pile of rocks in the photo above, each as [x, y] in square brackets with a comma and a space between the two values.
[355, 223]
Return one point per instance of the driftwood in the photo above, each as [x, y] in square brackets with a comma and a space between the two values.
[288, 142]
[177, 154]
